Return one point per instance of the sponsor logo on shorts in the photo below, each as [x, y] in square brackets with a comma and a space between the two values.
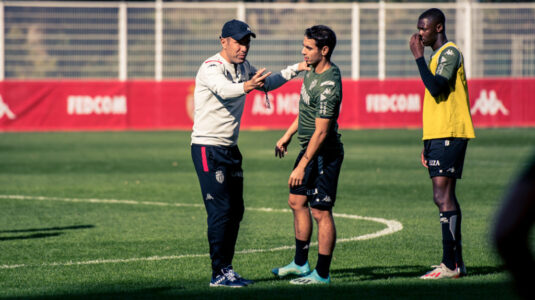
[209, 197]
[312, 192]
[325, 199]
[219, 176]
[434, 162]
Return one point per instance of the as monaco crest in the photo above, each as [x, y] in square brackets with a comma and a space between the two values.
[219, 176]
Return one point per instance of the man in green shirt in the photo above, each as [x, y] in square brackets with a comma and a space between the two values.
[314, 179]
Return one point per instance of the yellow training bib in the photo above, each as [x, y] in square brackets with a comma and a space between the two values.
[448, 115]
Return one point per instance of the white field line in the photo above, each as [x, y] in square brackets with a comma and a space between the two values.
[392, 226]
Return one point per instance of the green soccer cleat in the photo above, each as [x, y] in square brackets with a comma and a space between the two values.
[312, 278]
[292, 269]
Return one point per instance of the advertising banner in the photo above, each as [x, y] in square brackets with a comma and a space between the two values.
[149, 105]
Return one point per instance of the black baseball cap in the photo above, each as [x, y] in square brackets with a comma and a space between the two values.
[236, 29]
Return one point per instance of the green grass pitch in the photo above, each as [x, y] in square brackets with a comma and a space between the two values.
[63, 234]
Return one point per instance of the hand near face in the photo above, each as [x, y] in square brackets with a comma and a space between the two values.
[416, 45]
[303, 66]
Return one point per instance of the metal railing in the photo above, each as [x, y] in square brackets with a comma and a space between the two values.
[158, 41]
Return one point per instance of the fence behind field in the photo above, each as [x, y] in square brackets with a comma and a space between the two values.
[155, 40]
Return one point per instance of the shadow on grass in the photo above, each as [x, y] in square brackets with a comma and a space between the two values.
[375, 273]
[48, 229]
[30, 236]
[391, 272]
[354, 290]
[43, 232]
[378, 283]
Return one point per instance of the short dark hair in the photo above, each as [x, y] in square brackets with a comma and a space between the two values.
[324, 36]
[434, 14]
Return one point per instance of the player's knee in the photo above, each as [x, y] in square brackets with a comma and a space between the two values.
[320, 215]
[296, 203]
[437, 200]
[444, 202]
[440, 198]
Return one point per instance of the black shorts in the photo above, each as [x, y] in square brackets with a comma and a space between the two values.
[321, 180]
[445, 157]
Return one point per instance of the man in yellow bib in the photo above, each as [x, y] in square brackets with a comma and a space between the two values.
[447, 127]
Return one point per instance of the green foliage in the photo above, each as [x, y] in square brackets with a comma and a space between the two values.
[69, 248]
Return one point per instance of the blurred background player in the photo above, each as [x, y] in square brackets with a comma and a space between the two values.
[221, 84]
[512, 229]
[447, 126]
[314, 179]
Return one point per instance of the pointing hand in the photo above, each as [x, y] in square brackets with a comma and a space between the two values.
[257, 81]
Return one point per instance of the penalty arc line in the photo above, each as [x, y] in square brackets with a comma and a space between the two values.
[392, 227]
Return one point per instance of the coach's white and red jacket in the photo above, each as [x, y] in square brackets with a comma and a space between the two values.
[220, 98]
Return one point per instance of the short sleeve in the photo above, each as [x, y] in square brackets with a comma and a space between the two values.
[448, 63]
[329, 92]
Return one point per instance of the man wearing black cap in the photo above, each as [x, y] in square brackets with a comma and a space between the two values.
[221, 85]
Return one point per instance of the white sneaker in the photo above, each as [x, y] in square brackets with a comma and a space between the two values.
[441, 272]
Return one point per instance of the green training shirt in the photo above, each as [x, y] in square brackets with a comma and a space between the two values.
[321, 96]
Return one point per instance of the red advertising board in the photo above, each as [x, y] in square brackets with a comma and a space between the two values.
[149, 105]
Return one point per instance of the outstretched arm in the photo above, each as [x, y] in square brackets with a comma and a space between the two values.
[278, 79]
[257, 81]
